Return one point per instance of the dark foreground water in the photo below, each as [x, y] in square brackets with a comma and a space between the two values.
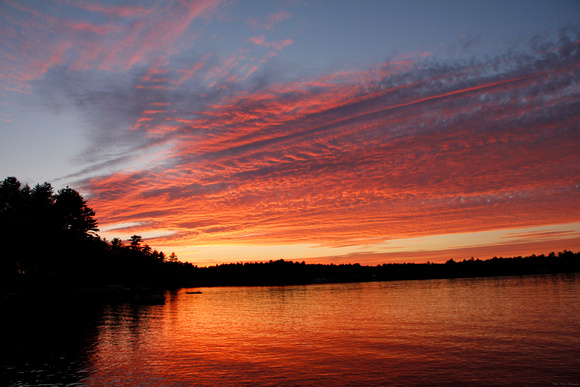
[488, 331]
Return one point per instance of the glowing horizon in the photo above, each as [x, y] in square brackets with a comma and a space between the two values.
[201, 134]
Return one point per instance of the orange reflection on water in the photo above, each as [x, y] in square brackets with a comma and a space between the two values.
[440, 331]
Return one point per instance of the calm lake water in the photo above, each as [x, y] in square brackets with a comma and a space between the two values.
[485, 331]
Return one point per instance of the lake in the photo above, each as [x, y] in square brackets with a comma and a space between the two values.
[478, 331]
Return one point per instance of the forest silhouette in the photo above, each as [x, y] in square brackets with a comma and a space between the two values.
[50, 241]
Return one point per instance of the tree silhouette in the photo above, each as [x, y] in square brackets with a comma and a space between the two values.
[147, 250]
[73, 213]
[116, 243]
[42, 206]
[42, 196]
[13, 203]
[135, 242]
[49, 240]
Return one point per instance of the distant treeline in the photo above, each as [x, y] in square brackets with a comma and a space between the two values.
[285, 272]
[49, 240]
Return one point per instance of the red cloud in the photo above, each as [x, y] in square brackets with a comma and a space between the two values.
[405, 148]
[260, 40]
[360, 157]
[133, 35]
[270, 21]
[277, 18]
[116, 11]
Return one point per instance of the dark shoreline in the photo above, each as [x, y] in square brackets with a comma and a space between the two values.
[279, 273]
[172, 276]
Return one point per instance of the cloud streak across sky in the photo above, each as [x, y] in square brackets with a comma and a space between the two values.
[196, 146]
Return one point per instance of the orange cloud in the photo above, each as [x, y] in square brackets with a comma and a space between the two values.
[412, 147]
[510, 249]
[359, 157]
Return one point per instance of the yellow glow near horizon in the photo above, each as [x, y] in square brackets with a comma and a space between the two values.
[396, 250]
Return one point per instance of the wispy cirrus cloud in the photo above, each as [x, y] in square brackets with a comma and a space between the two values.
[270, 21]
[354, 157]
[120, 11]
[216, 123]
[260, 40]
[124, 36]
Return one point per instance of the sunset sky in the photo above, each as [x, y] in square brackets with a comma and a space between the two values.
[323, 131]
